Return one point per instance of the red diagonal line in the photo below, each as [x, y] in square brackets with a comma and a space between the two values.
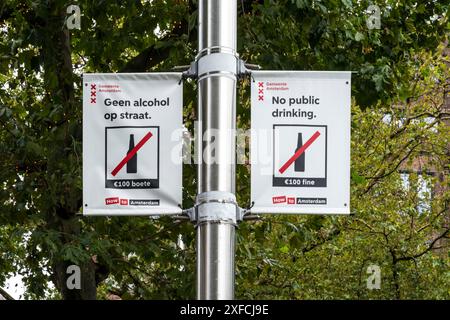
[299, 152]
[131, 153]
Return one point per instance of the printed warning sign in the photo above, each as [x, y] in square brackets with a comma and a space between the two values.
[132, 142]
[299, 159]
[300, 146]
[132, 157]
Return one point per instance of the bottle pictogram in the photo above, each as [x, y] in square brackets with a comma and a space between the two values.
[300, 155]
[124, 146]
[299, 164]
[132, 163]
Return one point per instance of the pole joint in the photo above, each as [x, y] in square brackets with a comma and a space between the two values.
[206, 64]
[216, 206]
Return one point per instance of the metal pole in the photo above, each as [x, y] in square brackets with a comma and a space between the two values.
[216, 203]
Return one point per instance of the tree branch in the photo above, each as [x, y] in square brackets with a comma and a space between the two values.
[429, 248]
[148, 58]
[383, 173]
[433, 220]
[330, 236]
[154, 55]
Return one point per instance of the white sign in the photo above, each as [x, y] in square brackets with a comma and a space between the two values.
[300, 146]
[132, 129]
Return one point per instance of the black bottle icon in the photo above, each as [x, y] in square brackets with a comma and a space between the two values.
[299, 164]
[132, 163]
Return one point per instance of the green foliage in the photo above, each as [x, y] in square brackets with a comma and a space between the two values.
[333, 35]
[393, 225]
[285, 257]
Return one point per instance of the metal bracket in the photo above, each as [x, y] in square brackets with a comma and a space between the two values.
[245, 69]
[247, 216]
[215, 206]
[191, 71]
[242, 214]
[188, 71]
[189, 214]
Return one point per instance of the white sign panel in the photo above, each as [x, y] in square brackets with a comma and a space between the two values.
[132, 129]
[300, 144]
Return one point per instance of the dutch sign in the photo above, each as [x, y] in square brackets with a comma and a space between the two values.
[132, 128]
[300, 143]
